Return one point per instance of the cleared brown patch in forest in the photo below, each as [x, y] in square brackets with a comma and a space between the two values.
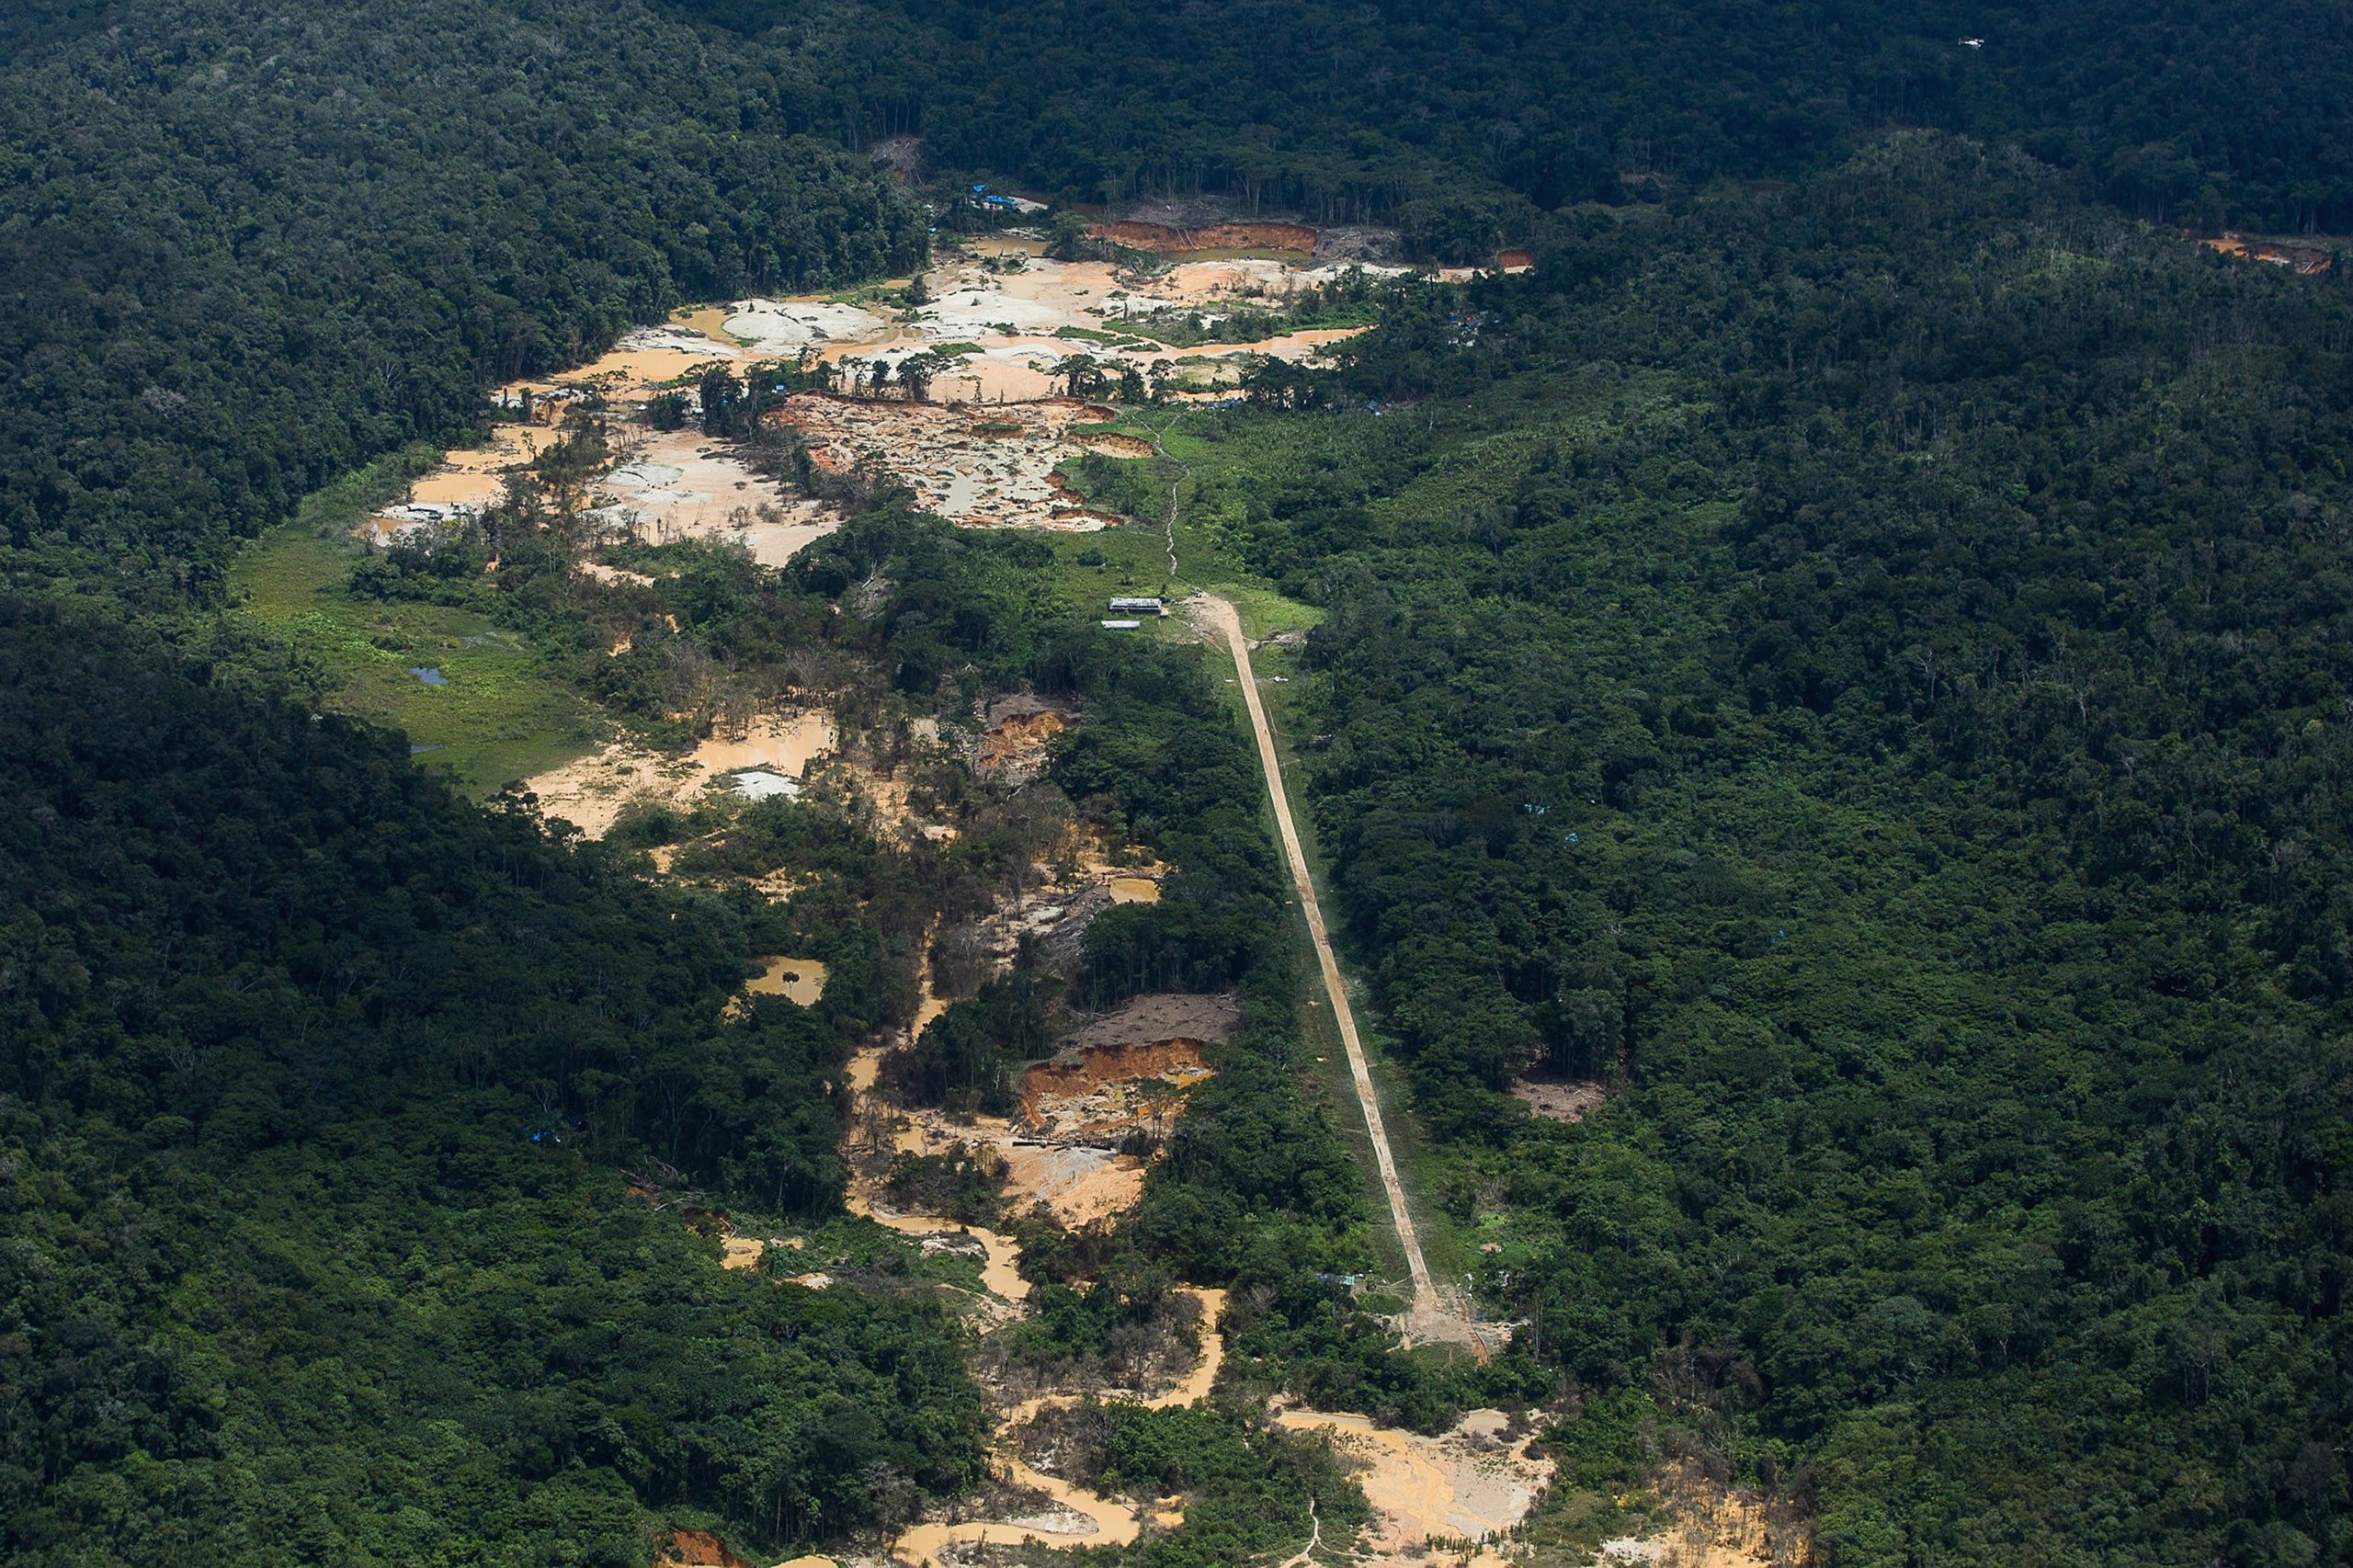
[995, 470]
[1100, 1092]
[1078, 1185]
[1214, 236]
[699, 1549]
[1558, 1100]
[592, 792]
[1716, 1526]
[1020, 738]
[681, 484]
[1460, 1490]
[1112, 443]
[795, 980]
[2305, 258]
[1209, 1017]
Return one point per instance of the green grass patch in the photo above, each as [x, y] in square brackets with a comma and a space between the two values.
[503, 712]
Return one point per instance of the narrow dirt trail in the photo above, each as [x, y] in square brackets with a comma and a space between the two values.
[1428, 1307]
[1183, 473]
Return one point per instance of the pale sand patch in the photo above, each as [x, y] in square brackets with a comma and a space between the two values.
[475, 476]
[1003, 479]
[1716, 1528]
[1078, 1184]
[591, 792]
[977, 311]
[1453, 1487]
[741, 1252]
[1113, 1523]
[1134, 890]
[681, 484]
[786, 327]
[795, 980]
[615, 574]
[1252, 279]
[1290, 346]
[629, 373]
[781, 743]
[989, 379]
[635, 373]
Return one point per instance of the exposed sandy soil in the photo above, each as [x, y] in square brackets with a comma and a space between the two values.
[1111, 443]
[1213, 236]
[662, 485]
[1134, 890]
[796, 980]
[592, 792]
[1013, 743]
[1087, 1517]
[475, 477]
[1079, 1184]
[647, 360]
[1007, 320]
[603, 573]
[1557, 1101]
[1293, 346]
[1096, 1095]
[1260, 278]
[783, 328]
[979, 481]
[2307, 258]
[698, 1548]
[1206, 1016]
[681, 484]
[1470, 1483]
[1019, 740]
[1716, 1528]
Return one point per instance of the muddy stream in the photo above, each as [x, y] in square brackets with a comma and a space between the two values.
[1112, 1522]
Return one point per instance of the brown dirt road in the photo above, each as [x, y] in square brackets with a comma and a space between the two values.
[1429, 1315]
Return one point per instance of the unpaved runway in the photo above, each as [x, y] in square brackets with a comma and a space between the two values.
[1426, 1305]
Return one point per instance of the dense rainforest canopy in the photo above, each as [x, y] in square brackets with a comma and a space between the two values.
[1466, 121]
[245, 247]
[1863, 673]
[315, 1089]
